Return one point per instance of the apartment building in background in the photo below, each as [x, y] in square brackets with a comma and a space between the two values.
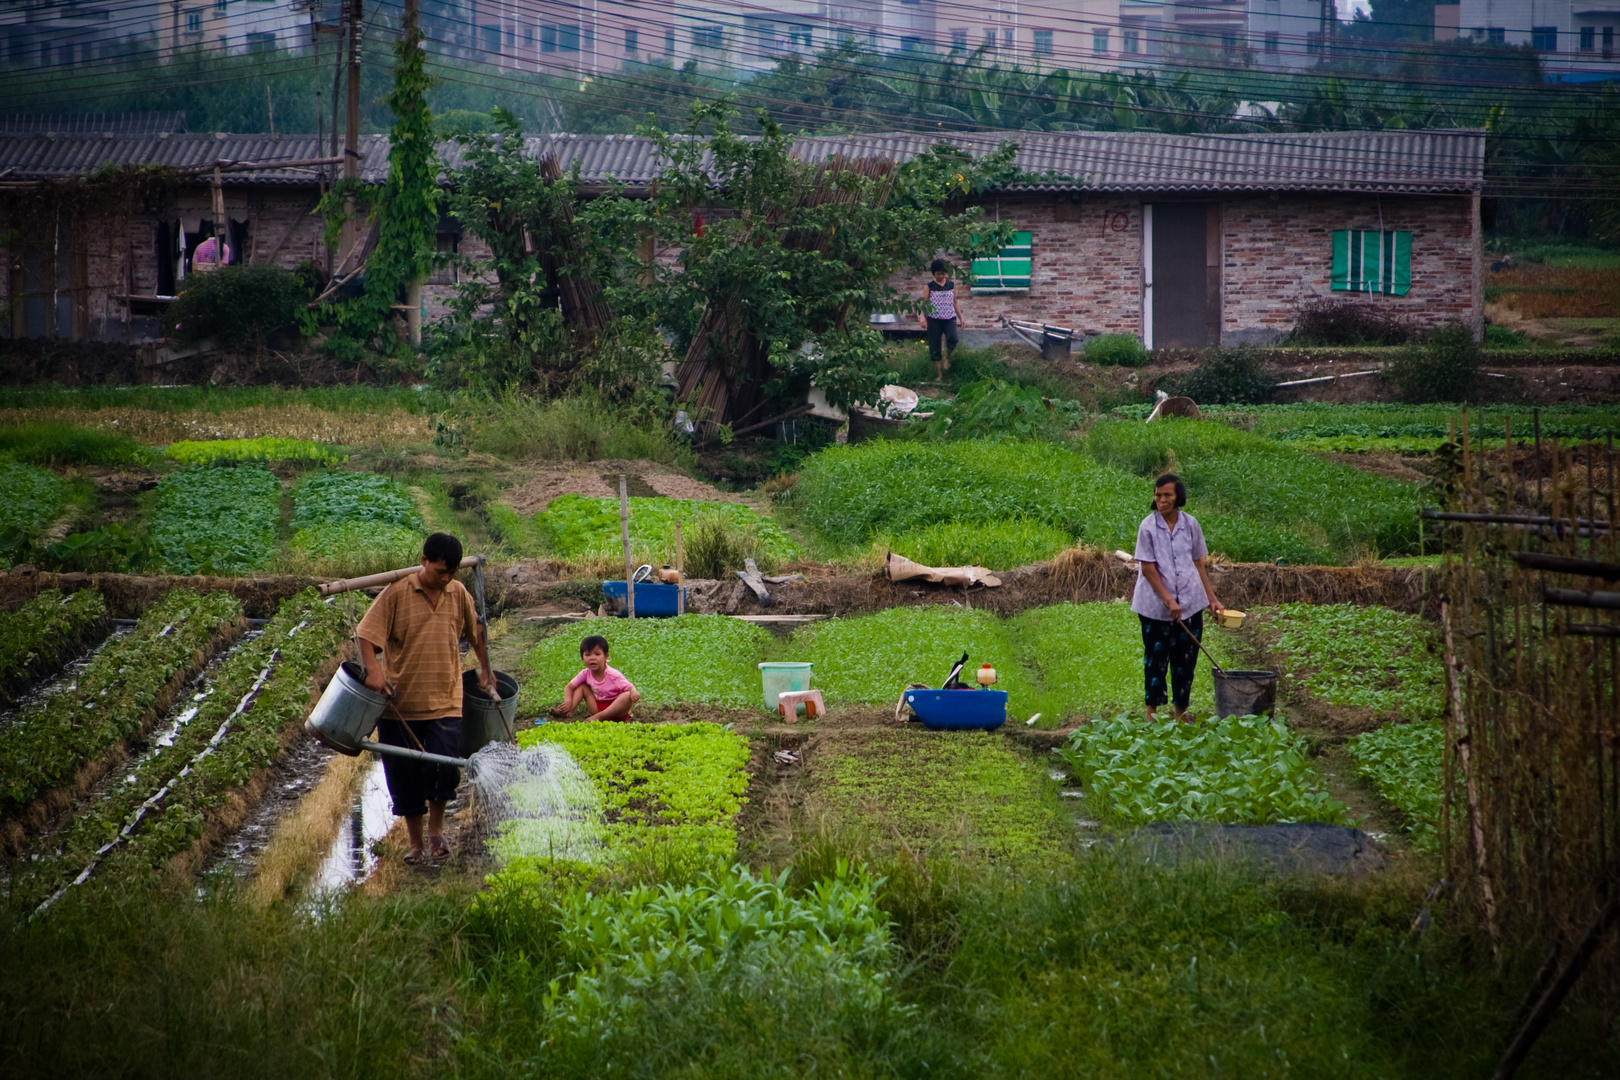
[1575, 39]
[60, 33]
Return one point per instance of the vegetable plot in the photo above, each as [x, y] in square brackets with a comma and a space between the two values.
[1362, 657]
[232, 730]
[705, 659]
[1404, 762]
[668, 793]
[217, 520]
[115, 698]
[33, 499]
[44, 634]
[218, 451]
[963, 791]
[577, 527]
[356, 520]
[1246, 770]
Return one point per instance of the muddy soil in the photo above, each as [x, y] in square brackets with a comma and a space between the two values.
[300, 770]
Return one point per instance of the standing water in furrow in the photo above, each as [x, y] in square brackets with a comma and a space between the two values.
[350, 858]
[66, 681]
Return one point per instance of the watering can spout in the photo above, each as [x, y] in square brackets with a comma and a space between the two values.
[384, 750]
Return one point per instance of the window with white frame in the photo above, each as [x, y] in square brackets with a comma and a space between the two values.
[1099, 42]
[1043, 42]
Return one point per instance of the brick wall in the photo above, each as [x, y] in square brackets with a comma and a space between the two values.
[1278, 252]
[1087, 265]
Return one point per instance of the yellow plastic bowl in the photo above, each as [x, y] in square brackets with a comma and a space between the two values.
[1231, 619]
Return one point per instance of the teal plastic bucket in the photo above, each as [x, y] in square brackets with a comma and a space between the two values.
[783, 678]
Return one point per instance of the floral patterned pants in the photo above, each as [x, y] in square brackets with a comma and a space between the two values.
[1166, 645]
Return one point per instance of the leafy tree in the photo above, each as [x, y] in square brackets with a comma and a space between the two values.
[766, 267]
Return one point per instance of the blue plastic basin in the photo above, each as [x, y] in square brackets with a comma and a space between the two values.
[959, 710]
[653, 599]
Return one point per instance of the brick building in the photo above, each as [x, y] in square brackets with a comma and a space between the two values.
[1181, 240]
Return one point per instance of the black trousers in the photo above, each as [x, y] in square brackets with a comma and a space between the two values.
[414, 784]
[937, 329]
[1166, 645]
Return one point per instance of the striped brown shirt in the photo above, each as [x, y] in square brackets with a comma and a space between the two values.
[422, 646]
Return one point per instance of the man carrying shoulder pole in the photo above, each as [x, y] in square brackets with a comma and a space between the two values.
[417, 624]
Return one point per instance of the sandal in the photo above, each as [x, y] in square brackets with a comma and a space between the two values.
[440, 850]
[413, 857]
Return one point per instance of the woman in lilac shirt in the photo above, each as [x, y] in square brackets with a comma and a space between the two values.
[1173, 587]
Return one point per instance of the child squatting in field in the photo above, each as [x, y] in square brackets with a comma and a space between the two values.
[610, 694]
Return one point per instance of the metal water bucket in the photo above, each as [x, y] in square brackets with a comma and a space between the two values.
[347, 712]
[1245, 693]
[485, 719]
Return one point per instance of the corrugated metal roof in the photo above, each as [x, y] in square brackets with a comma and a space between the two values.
[46, 156]
[1370, 161]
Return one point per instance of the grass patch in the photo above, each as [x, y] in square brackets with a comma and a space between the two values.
[1247, 770]
[1404, 762]
[703, 659]
[965, 794]
[214, 520]
[65, 444]
[44, 634]
[1351, 656]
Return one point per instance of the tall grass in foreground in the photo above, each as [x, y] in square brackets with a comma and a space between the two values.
[1109, 968]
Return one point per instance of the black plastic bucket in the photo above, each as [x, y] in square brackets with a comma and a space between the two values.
[1245, 693]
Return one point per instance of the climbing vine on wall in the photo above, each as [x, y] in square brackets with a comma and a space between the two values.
[407, 209]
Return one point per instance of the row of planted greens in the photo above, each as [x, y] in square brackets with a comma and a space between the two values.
[1003, 503]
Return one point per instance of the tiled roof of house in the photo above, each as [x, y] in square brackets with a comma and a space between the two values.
[47, 156]
[1359, 161]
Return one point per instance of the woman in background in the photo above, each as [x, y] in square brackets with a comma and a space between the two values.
[1171, 594]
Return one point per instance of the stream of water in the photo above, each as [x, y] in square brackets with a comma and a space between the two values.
[371, 815]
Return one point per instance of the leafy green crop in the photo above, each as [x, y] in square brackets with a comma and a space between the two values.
[709, 659]
[1236, 769]
[296, 644]
[873, 657]
[999, 545]
[1087, 659]
[577, 527]
[331, 497]
[1335, 508]
[43, 634]
[55, 443]
[853, 494]
[33, 498]
[190, 452]
[217, 520]
[113, 698]
[628, 965]
[357, 543]
[1362, 657]
[1404, 762]
[668, 792]
[962, 790]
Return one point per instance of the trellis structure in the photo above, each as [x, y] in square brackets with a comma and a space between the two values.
[1532, 767]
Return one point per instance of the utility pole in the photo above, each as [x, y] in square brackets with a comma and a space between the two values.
[351, 134]
[413, 291]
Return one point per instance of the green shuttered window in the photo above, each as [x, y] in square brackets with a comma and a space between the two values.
[1372, 262]
[1008, 271]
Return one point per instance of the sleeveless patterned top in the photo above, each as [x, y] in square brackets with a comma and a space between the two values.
[943, 299]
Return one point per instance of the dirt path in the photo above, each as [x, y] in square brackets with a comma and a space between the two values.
[599, 479]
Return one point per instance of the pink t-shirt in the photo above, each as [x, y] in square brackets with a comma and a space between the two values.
[612, 685]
